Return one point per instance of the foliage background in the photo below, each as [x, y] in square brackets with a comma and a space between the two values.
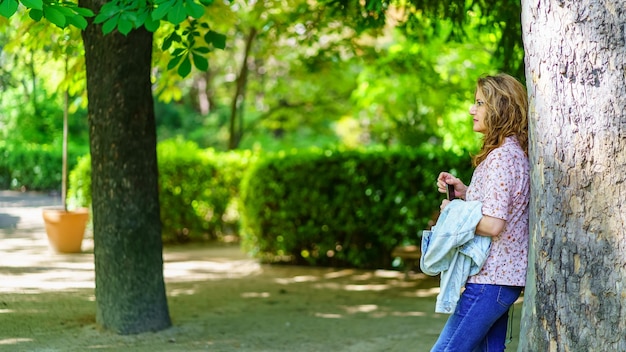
[293, 75]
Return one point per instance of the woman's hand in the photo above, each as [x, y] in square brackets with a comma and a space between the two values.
[445, 179]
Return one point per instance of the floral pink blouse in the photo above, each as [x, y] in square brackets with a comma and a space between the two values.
[502, 183]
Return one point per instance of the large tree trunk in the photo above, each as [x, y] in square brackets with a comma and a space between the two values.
[575, 298]
[130, 291]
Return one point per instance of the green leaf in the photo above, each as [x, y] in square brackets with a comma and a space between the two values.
[54, 15]
[36, 15]
[167, 42]
[124, 26]
[64, 10]
[174, 62]
[107, 11]
[178, 13]
[200, 62]
[194, 9]
[217, 39]
[100, 18]
[162, 9]
[185, 67]
[178, 52]
[130, 16]
[201, 50]
[8, 8]
[77, 21]
[33, 4]
[151, 25]
[110, 24]
[84, 12]
[140, 18]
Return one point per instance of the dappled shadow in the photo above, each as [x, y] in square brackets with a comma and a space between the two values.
[219, 299]
[27, 263]
[8, 221]
[15, 199]
[355, 280]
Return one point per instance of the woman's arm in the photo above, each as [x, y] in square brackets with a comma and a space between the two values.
[489, 226]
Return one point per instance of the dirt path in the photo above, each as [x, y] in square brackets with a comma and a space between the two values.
[219, 300]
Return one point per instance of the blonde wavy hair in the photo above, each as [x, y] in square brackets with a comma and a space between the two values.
[506, 101]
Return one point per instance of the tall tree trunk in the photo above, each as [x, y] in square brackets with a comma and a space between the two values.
[238, 102]
[130, 290]
[205, 94]
[576, 71]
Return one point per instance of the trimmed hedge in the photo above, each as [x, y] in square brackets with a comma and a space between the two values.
[197, 189]
[351, 208]
[313, 207]
[34, 167]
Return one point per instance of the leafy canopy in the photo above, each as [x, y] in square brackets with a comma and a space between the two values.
[60, 13]
[126, 15]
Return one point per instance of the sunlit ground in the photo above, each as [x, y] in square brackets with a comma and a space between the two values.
[219, 300]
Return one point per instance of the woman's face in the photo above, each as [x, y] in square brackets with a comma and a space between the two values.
[478, 111]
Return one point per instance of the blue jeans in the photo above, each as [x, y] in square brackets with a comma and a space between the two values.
[480, 320]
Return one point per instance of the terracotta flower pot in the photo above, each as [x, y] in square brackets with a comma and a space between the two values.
[66, 229]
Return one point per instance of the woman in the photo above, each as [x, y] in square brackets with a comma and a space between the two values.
[501, 183]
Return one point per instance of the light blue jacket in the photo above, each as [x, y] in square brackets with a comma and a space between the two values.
[451, 249]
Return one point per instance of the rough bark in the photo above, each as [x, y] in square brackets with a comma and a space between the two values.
[576, 76]
[130, 290]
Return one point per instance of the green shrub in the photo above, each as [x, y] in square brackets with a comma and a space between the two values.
[196, 190]
[36, 167]
[332, 208]
[191, 200]
[5, 170]
[79, 189]
[231, 168]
